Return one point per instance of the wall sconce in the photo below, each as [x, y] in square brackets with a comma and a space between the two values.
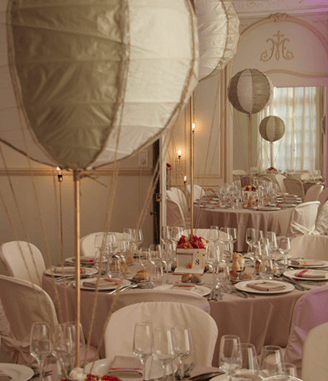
[185, 180]
[193, 126]
[179, 153]
[59, 174]
[179, 166]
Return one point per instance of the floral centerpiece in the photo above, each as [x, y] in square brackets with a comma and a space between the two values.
[193, 242]
[249, 188]
[191, 254]
[272, 169]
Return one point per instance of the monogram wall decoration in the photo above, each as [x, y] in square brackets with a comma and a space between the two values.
[278, 48]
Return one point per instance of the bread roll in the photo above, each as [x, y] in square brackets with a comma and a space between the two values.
[186, 278]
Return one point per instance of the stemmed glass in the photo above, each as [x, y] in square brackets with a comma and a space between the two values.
[165, 238]
[71, 339]
[142, 343]
[270, 361]
[250, 238]
[163, 349]
[273, 246]
[249, 368]
[62, 346]
[233, 233]
[175, 235]
[40, 344]
[183, 345]
[284, 248]
[225, 238]
[229, 356]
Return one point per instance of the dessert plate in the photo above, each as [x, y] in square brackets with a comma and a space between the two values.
[243, 286]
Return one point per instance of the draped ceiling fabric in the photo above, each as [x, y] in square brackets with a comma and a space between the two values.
[272, 128]
[218, 33]
[250, 91]
[78, 77]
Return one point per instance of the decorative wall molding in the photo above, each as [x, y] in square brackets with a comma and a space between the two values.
[297, 74]
[278, 48]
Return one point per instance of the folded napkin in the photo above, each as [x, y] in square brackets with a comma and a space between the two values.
[66, 270]
[306, 262]
[125, 367]
[103, 283]
[311, 274]
[266, 286]
[4, 376]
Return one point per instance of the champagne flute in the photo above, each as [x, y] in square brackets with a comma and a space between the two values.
[142, 343]
[270, 361]
[250, 238]
[229, 356]
[163, 349]
[249, 368]
[40, 344]
[284, 248]
[183, 345]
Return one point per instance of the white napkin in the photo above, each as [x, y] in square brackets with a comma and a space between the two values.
[125, 367]
[66, 270]
[103, 283]
[266, 286]
[306, 262]
[310, 274]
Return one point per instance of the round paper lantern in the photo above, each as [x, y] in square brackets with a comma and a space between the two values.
[272, 128]
[84, 83]
[250, 91]
[218, 33]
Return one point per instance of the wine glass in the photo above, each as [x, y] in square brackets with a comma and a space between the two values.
[142, 343]
[165, 237]
[175, 234]
[250, 238]
[40, 344]
[249, 368]
[288, 369]
[273, 245]
[183, 345]
[270, 361]
[233, 233]
[71, 337]
[163, 349]
[225, 238]
[213, 235]
[62, 346]
[284, 248]
[229, 356]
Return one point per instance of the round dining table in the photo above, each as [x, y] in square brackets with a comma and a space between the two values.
[243, 218]
[260, 319]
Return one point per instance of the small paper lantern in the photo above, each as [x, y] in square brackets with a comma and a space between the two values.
[272, 128]
[218, 34]
[250, 91]
[86, 82]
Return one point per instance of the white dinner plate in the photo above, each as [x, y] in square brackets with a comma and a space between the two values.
[17, 372]
[199, 290]
[101, 367]
[110, 286]
[291, 274]
[86, 271]
[267, 208]
[309, 265]
[242, 286]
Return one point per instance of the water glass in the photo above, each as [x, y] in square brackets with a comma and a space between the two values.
[163, 348]
[142, 343]
[40, 344]
[288, 369]
[284, 248]
[249, 368]
[271, 359]
[229, 356]
[183, 345]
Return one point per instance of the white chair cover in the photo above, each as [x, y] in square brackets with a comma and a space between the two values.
[121, 327]
[313, 193]
[303, 218]
[315, 354]
[294, 186]
[239, 172]
[174, 214]
[25, 303]
[323, 197]
[305, 176]
[310, 246]
[199, 192]
[310, 311]
[280, 181]
[182, 201]
[22, 260]
[322, 220]
[88, 248]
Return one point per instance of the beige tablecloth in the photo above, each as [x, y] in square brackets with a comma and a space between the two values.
[242, 219]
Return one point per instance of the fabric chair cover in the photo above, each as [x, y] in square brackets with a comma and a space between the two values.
[323, 197]
[303, 218]
[239, 172]
[305, 176]
[182, 201]
[121, 327]
[310, 246]
[22, 260]
[199, 192]
[313, 193]
[310, 311]
[315, 354]
[322, 220]
[88, 248]
[294, 186]
[280, 181]
[25, 303]
[174, 214]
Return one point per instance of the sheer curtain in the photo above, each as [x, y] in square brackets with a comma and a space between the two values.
[301, 146]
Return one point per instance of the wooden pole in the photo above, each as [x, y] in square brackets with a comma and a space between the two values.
[77, 174]
[271, 153]
[191, 166]
[250, 146]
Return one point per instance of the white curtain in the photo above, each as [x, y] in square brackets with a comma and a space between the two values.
[301, 146]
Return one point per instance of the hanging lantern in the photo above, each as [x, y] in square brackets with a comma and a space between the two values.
[272, 128]
[218, 33]
[85, 83]
[250, 91]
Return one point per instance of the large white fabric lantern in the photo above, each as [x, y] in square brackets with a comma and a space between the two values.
[86, 82]
[272, 128]
[218, 33]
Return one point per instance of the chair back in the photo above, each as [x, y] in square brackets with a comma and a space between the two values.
[199, 192]
[315, 354]
[181, 197]
[294, 186]
[88, 248]
[309, 311]
[24, 303]
[321, 224]
[310, 246]
[323, 197]
[174, 214]
[302, 220]
[313, 193]
[121, 327]
[22, 260]
[280, 181]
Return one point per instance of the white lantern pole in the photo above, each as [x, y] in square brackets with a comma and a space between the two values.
[271, 152]
[191, 165]
[250, 146]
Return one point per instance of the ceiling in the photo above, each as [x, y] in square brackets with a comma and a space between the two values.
[251, 8]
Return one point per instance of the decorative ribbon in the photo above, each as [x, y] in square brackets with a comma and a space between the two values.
[300, 274]
[18, 349]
